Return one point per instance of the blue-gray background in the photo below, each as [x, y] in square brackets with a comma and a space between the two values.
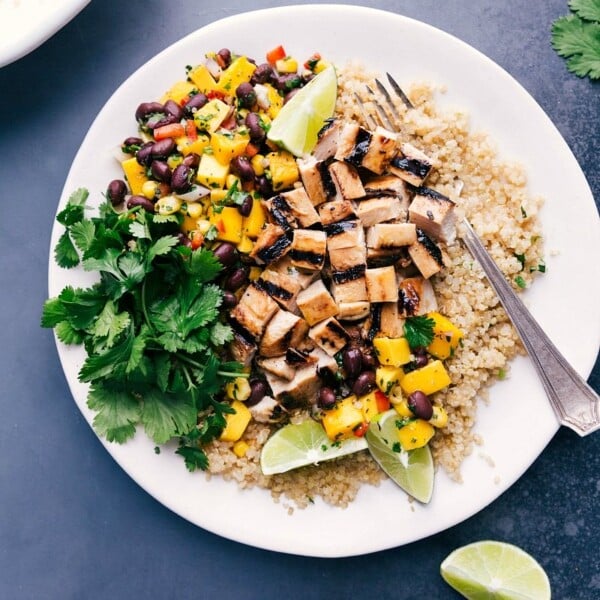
[72, 524]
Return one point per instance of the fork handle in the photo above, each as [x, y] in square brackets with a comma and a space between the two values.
[575, 403]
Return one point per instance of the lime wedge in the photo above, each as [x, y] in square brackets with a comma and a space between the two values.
[297, 124]
[489, 569]
[413, 470]
[306, 443]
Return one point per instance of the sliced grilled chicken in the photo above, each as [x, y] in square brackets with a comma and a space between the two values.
[280, 212]
[384, 257]
[426, 255]
[391, 235]
[329, 335]
[336, 210]
[301, 389]
[278, 366]
[391, 322]
[387, 185]
[353, 311]
[361, 148]
[285, 267]
[308, 249]
[434, 214]
[301, 207]
[411, 164]
[349, 289]
[382, 285]
[268, 410]
[271, 245]
[346, 180]
[254, 310]
[345, 234]
[327, 142]
[299, 358]
[242, 349]
[382, 148]
[281, 286]
[284, 330]
[416, 296]
[317, 180]
[378, 210]
[315, 303]
[343, 259]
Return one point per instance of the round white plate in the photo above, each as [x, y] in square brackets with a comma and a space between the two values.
[518, 422]
[26, 24]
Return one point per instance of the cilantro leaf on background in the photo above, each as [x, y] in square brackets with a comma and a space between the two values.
[117, 412]
[65, 253]
[194, 457]
[419, 331]
[586, 9]
[167, 415]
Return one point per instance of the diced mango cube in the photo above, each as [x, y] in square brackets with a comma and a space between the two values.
[135, 175]
[283, 169]
[287, 65]
[369, 406]
[258, 164]
[217, 195]
[179, 91]
[187, 146]
[239, 71]
[246, 245]
[393, 352]
[275, 101]
[211, 172]
[439, 417]
[255, 221]
[202, 79]
[446, 336]
[402, 409]
[341, 421]
[236, 422]
[238, 389]
[211, 115]
[240, 448]
[428, 379]
[227, 146]
[415, 434]
[388, 377]
[228, 223]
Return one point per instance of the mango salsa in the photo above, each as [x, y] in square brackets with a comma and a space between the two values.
[283, 169]
[239, 71]
[178, 92]
[202, 79]
[228, 224]
[341, 421]
[393, 352]
[429, 379]
[415, 434]
[135, 175]
[446, 337]
[236, 422]
[211, 172]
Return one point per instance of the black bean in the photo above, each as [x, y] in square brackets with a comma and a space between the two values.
[163, 148]
[245, 94]
[420, 405]
[287, 82]
[140, 201]
[192, 160]
[144, 154]
[368, 360]
[226, 254]
[160, 170]
[236, 279]
[181, 179]
[263, 186]
[184, 240]
[241, 166]
[229, 299]
[258, 390]
[194, 103]
[421, 360]
[116, 191]
[131, 145]
[352, 361]
[224, 55]
[326, 398]
[245, 208]
[145, 109]
[262, 74]
[173, 109]
[166, 120]
[252, 122]
[364, 383]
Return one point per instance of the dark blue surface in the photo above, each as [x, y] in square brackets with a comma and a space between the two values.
[72, 523]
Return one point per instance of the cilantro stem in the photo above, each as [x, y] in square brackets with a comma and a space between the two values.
[144, 307]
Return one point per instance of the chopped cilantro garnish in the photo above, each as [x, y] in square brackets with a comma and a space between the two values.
[419, 331]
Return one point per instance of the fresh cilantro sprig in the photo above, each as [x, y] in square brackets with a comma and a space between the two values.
[419, 331]
[576, 37]
[151, 327]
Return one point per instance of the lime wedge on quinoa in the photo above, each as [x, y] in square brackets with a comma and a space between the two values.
[412, 470]
[490, 570]
[297, 124]
[306, 443]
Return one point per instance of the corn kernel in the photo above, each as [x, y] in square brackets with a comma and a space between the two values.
[167, 205]
[238, 389]
[194, 210]
[258, 164]
[233, 180]
[287, 65]
[149, 189]
[174, 160]
[439, 417]
[402, 409]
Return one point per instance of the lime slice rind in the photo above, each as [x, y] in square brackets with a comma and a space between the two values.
[413, 471]
[490, 569]
[303, 444]
[298, 123]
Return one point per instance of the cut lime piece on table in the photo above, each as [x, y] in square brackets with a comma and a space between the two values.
[490, 570]
[413, 470]
[298, 123]
[306, 443]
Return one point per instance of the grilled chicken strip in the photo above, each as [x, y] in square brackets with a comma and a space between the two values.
[346, 180]
[254, 310]
[284, 330]
[343, 259]
[353, 311]
[315, 303]
[336, 210]
[381, 284]
[278, 366]
[329, 335]
[271, 245]
[378, 210]
[317, 180]
[416, 296]
[426, 255]
[283, 287]
[411, 164]
[327, 142]
[434, 214]
[268, 410]
[391, 323]
[362, 148]
[391, 235]
[345, 234]
[308, 249]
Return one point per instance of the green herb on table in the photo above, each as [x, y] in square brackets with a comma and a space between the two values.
[576, 37]
[151, 327]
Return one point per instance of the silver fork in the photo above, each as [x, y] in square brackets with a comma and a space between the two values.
[575, 403]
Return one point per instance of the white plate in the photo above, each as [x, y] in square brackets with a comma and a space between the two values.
[518, 422]
[26, 24]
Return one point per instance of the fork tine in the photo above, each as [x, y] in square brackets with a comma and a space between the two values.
[369, 120]
[380, 110]
[399, 91]
[388, 99]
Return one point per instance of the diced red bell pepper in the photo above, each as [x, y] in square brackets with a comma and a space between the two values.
[276, 54]
[190, 129]
[382, 401]
[172, 130]
[361, 429]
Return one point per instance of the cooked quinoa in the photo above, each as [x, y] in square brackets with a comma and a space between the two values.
[493, 194]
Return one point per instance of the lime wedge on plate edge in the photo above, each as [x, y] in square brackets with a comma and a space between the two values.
[488, 569]
[298, 123]
[306, 443]
[412, 471]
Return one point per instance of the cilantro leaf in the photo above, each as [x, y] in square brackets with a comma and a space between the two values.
[203, 264]
[167, 415]
[65, 253]
[67, 334]
[82, 234]
[117, 412]
[419, 331]
[109, 324]
[194, 457]
[586, 9]
[579, 42]
[113, 362]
